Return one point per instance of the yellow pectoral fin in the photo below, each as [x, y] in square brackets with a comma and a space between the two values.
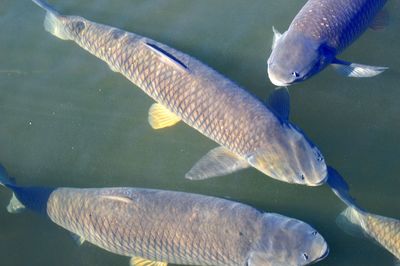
[160, 117]
[138, 261]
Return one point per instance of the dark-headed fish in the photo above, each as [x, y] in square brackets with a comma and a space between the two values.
[319, 32]
[249, 133]
[157, 227]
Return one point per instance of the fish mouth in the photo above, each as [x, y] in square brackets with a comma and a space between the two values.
[324, 254]
[276, 81]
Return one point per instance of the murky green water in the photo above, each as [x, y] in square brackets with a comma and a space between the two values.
[67, 120]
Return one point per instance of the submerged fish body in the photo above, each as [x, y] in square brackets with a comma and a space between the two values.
[385, 230]
[185, 89]
[174, 227]
[320, 31]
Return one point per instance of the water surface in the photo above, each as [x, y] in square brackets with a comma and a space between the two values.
[67, 120]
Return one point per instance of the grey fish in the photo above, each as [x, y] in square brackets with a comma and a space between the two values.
[384, 230]
[355, 219]
[319, 32]
[160, 227]
[250, 134]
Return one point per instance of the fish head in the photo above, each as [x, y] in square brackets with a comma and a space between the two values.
[295, 58]
[291, 157]
[287, 241]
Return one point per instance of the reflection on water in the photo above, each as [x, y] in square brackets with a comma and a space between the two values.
[67, 120]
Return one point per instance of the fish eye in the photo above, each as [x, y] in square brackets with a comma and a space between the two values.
[295, 74]
[305, 256]
[314, 233]
[302, 177]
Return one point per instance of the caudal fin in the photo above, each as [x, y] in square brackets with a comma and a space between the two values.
[341, 189]
[4, 178]
[53, 22]
[351, 221]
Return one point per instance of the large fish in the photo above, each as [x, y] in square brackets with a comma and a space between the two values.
[384, 230]
[355, 219]
[160, 227]
[250, 134]
[319, 32]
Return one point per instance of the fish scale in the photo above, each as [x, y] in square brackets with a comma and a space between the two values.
[347, 20]
[182, 93]
[157, 237]
[249, 133]
[385, 230]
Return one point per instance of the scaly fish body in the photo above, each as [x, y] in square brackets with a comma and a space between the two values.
[385, 230]
[249, 132]
[320, 31]
[174, 227]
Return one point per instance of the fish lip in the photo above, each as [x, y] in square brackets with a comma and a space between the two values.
[276, 81]
[324, 254]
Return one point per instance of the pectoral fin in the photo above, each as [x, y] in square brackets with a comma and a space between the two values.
[138, 261]
[79, 240]
[160, 117]
[354, 70]
[279, 101]
[15, 206]
[217, 162]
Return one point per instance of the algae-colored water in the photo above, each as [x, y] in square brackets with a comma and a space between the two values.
[67, 120]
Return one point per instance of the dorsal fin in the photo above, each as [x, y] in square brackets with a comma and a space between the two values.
[167, 57]
[277, 36]
[124, 199]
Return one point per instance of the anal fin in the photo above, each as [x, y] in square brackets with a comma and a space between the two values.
[15, 206]
[79, 240]
[138, 261]
[217, 162]
[160, 117]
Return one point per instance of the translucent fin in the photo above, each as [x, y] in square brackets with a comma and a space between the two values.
[340, 187]
[277, 36]
[15, 206]
[167, 57]
[354, 70]
[351, 221]
[4, 178]
[217, 162]
[77, 239]
[160, 117]
[138, 261]
[279, 101]
[380, 21]
[53, 21]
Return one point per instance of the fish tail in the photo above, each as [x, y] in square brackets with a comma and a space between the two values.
[5, 180]
[53, 21]
[15, 206]
[351, 221]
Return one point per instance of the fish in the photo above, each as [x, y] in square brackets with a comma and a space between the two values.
[355, 219]
[319, 32]
[250, 133]
[157, 227]
[384, 230]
